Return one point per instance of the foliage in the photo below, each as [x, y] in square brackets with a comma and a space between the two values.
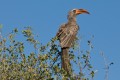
[43, 63]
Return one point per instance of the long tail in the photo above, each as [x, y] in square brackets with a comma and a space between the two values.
[65, 60]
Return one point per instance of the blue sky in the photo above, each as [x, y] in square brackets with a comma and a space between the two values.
[45, 17]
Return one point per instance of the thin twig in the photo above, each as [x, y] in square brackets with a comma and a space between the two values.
[106, 66]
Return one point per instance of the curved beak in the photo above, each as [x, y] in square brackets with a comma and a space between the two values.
[81, 11]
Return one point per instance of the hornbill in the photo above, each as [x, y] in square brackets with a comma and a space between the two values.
[67, 34]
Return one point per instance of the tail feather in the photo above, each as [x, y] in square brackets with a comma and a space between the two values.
[65, 60]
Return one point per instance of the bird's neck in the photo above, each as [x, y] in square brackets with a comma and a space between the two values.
[72, 21]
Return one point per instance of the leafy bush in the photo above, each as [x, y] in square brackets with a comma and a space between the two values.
[43, 63]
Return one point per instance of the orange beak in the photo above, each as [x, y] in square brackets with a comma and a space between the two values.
[81, 11]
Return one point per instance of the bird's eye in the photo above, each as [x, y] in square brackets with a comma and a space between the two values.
[74, 11]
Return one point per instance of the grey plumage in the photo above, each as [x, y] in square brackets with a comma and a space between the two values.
[66, 35]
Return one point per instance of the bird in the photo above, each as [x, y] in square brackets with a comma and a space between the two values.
[67, 35]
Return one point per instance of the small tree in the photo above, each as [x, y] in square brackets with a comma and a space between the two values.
[44, 62]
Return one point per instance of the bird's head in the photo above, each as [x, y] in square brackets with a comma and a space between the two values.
[75, 12]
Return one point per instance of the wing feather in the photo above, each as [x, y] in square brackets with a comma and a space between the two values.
[66, 35]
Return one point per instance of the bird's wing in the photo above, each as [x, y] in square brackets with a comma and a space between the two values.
[61, 30]
[66, 35]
